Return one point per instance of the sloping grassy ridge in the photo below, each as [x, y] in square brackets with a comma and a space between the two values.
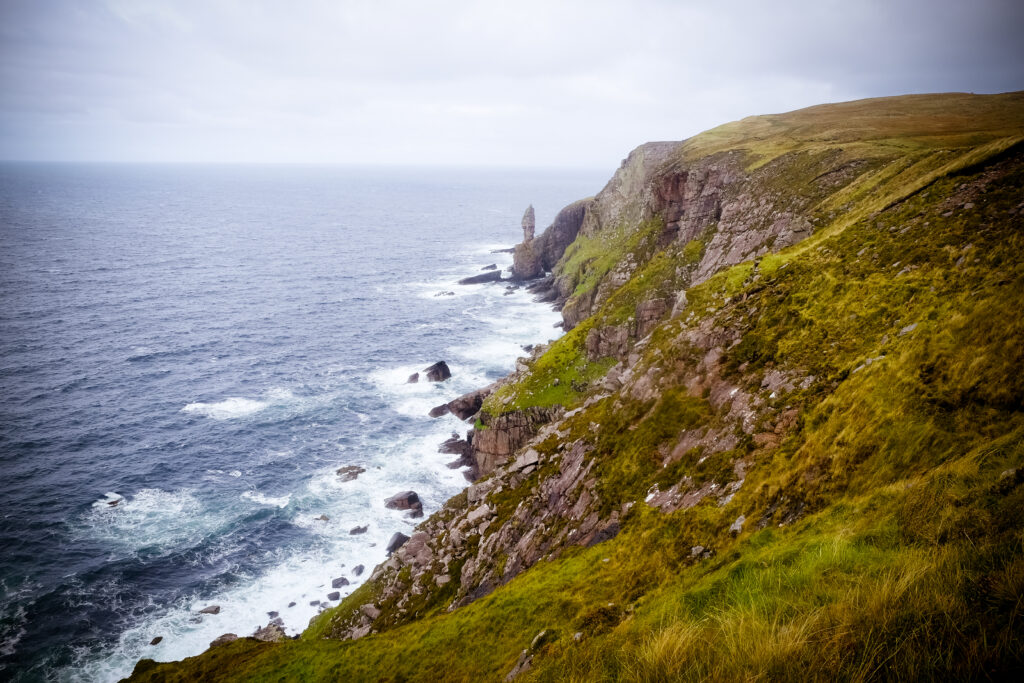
[874, 528]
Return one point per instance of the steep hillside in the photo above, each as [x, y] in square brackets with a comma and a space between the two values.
[782, 438]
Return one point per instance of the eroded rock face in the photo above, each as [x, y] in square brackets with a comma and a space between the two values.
[529, 223]
[505, 434]
[534, 257]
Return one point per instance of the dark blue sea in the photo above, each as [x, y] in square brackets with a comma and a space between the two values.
[206, 346]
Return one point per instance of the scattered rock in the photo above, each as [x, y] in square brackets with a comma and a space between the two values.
[273, 615]
[438, 372]
[405, 500]
[339, 582]
[271, 633]
[356, 530]
[314, 603]
[334, 596]
[370, 610]
[908, 329]
[212, 609]
[468, 405]
[489, 276]
[737, 526]
[358, 569]
[413, 378]
[223, 639]
[156, 641]
[350, 472]
[322, 518]
[397, 541]
[291, 604]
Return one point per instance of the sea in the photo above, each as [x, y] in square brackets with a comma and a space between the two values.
[189, 353]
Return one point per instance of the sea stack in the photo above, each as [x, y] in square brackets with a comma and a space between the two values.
[529, 223]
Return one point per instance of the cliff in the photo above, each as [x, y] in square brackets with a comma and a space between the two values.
[782, 438]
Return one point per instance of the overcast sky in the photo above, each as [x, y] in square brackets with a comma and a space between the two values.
[520, 83]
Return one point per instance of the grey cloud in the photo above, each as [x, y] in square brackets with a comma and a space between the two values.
[527, 83]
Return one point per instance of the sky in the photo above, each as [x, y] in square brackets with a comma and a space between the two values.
[448, 82]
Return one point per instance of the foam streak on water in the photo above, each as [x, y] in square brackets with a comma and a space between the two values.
[187, 356]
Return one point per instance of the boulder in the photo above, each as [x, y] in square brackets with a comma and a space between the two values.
[334, 596]
[212, 609]
[489, 276]
[273, 615]
[156, 641]
[438, 372]
[468, 405]
[438, 411]
[396, 542]
[350, 472]
[493, 266]
[223, 639]
[339, 582]
[358, 569]
[322, 518]
[356, 530]
[413, 378]
[453, 446]
[406, 500]
[271, 633]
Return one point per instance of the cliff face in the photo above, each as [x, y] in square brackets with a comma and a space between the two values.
[783, 435]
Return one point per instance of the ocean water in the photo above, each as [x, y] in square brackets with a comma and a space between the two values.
[207, 346]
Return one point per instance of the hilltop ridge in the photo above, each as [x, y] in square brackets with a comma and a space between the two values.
[783, 436]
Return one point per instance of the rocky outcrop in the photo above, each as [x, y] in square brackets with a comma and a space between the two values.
[534, 257]
[406, 500]
[489, 276]
[500, 437]
[438, 372]
[468, 405]
[529, 223]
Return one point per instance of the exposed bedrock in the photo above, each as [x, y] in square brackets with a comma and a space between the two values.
[534, 257]
[500, 437]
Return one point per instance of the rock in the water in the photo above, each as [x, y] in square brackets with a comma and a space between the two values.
[397, 541]
[156, 641]
[445, 294]
[529, 223]
[493, 266]
[405, 500]
[350, 472]
[212, 609]
[438, 372]
[314, 603]
[271, 633]
[334, 596]
[356, 530]
[292, 604]
[454, 446]
[358, 569]
[413, 378]
[339, 582]
[438, 411]
[467, 405]
[273, 615]
[223, 640]
[323, 518]
[489, 276]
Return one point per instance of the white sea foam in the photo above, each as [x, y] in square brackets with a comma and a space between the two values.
[257, 497]
[152, 518]
[227, 409]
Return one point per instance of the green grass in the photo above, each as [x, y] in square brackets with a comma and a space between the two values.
[884, 533]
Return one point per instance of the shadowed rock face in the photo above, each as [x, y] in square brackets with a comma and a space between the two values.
[504, 435]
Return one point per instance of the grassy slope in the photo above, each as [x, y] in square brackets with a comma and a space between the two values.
[907, 557]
